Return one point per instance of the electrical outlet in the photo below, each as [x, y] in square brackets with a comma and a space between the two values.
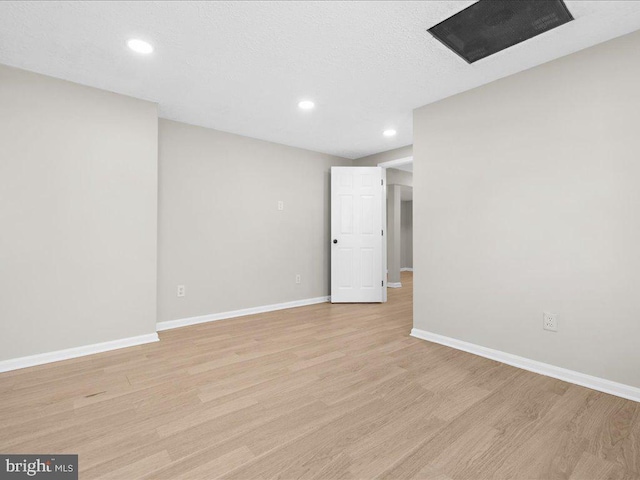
[298, 278]
[550, 321]
[280, 205]
[181, 291]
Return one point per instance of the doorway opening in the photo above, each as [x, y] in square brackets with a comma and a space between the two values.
[399, 174]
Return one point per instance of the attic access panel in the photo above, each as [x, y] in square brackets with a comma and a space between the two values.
[489, 26]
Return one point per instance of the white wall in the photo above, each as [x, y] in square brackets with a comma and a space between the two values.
[406, 234]
[394, 175]
[386, 156]
[78, 209]
[527, 199]
[393, 233]
[220, 233]
[399, 177]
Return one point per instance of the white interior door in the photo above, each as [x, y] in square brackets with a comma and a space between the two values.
[358, 252]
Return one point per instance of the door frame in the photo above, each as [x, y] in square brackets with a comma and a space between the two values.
[383, 173]
[388, 164]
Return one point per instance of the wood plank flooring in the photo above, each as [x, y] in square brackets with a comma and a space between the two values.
[318, 392]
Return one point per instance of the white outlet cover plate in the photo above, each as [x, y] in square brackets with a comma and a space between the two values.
[550, 321]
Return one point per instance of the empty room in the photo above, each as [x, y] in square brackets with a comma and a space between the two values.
[212, 212]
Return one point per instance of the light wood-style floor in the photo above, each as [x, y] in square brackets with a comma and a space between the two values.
[326, 391]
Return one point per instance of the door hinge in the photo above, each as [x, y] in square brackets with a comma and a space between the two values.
[381, 182]
[383, 283]
[382, 232]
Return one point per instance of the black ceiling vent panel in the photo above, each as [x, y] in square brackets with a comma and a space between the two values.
[489, 26]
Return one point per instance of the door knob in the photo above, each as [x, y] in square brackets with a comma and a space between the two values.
[335, 240]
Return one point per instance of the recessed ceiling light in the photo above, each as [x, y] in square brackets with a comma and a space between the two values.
[389, 133]
[140, 46]
[306, 104]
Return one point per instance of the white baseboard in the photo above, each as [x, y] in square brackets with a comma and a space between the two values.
[41, 358]
[183, 322]
[406, 269]
[571, 376]
[394, 284]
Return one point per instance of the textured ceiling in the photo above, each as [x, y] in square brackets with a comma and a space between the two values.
[242, 66]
